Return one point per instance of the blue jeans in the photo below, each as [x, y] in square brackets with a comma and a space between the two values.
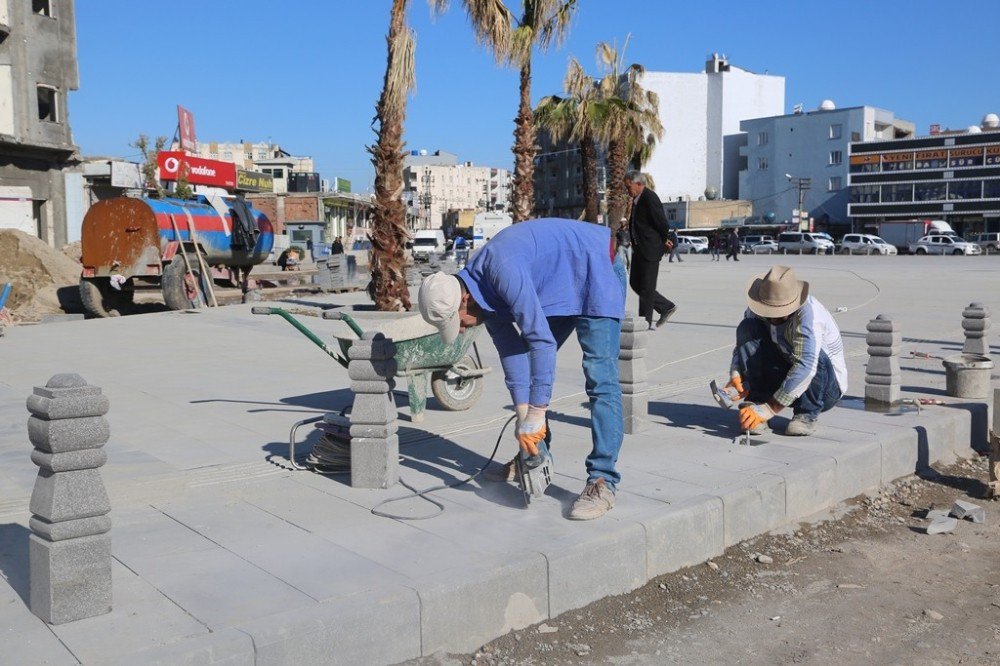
[763, 369]
[621, 261]
[600, 339]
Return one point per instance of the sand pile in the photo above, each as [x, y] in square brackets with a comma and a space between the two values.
[45, 281]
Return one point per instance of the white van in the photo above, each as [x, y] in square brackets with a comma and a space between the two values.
[427, 242]
[804, 242]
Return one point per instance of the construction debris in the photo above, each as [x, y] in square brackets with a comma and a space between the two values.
[969, 511]
[45, 281]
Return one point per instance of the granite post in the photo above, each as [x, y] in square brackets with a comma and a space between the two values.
[374, 442]
[70, 545]
[632, 374]
[975, 323]
[882, 375]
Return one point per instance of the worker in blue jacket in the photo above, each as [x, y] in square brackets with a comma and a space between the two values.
[532, 285]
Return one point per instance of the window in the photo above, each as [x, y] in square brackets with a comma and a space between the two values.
[248, 156]
[895, 193]
[41, 7]
[865, 194]
[965, 189]
[762, 164]
[928, 191]
[855, 136]
[47, 104]
[991, 189]
[228, 155]
[836, 131]
[897, 162]
[836, 156]
[834, 184]
[762, 138]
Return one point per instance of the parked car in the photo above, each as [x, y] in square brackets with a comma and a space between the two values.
[804, 242]
[769, 246]
[692, 244]
[941, 244]
[990, 242]
[865, 244]
[748, 242]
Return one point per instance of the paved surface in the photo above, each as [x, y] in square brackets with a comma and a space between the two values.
[223, 554]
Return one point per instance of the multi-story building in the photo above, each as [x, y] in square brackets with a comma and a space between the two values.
[38, 69]
[435, 184]
[951, 176]
[262, 156]
[809, 151]
[559, 178]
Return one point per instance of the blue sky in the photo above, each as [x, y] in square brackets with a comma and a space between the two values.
[307, 74]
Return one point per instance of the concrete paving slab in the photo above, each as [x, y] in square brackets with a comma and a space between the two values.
[228, 647]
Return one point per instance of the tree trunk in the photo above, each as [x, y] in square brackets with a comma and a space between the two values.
[618, 199]
[389, 235]
[588, 157]
[524, 151]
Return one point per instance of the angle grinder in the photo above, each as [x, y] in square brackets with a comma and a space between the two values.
[534, 472]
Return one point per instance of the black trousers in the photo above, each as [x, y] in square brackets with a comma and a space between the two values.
[642, 279]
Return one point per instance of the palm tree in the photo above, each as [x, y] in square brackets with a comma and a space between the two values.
[576, 117]
[631, 124]
[389, 235]
[513, 40]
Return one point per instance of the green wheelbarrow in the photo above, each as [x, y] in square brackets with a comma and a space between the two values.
[454, 372]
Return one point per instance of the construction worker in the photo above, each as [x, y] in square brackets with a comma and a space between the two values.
[532, 285]
[788, 354]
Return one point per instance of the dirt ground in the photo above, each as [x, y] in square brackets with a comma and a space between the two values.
[865, 586]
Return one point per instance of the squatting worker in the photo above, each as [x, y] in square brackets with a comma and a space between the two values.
[788, 354]
[532, 285]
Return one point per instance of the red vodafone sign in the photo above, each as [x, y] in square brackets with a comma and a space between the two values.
[198, 171]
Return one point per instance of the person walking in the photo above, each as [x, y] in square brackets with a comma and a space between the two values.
[733, 246]
[675, 249]
[714, 245]
[532, 286]
[624, 243]
[648, 230]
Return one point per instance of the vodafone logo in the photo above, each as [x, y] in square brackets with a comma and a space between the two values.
[171, 165]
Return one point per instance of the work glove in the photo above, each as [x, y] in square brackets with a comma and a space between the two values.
[531, 429]
[736, 383]
[753, 415]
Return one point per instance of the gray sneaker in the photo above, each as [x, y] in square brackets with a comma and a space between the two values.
[801, 425]
[595, 501]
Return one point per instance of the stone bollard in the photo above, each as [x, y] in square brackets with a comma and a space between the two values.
[975, 322]
[374, 442]
[70, 547]
[993, 486]
[882, 373]
[632, 374]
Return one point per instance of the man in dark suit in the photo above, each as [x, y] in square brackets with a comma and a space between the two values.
[649, 229]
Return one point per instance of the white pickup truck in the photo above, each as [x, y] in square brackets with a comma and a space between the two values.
[944, 244]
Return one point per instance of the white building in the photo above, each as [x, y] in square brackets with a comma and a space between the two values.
[701, 114]
[435, 184]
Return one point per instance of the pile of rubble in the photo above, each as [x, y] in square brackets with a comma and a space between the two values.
[43, 280]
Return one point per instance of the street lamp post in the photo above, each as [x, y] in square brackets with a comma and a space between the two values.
[802, 184]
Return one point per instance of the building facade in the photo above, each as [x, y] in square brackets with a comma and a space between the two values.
[262, 156]
[437, 183]
[951, 176]
[38, 69]
[809, 150]
[705, 214]
[559, 179]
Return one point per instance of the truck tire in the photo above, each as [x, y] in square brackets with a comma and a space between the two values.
[101, 300]
[920, 250]
[454, 393]
[179, 291]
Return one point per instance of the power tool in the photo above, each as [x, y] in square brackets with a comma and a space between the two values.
[534, 473]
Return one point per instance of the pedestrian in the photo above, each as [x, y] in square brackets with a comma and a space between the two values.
[337, 247]
[788, 353]
[533, 285]
[733, 246]
[648, 229]
[623, 242]
[714, 244]
[675, 250]
[309, 248]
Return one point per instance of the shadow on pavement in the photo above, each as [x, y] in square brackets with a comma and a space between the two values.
[14, 558]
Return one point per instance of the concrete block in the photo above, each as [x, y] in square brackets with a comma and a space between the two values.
[373, 409]
[463, 609]
[883, 394]
[381, 626]
[367, 431]
[635, 411]
[883, 351]
[374, 462]
[632, 371]
[372, 370]
[611, 561]
[60, 496]
[371, 349]
[69, 461]
[752, 508]
[226, 647]
[881, 323]
[899, 454]
[634, 388]
[973, 326]
[884, 339]
[968, 510]
[684, 534]
[942, 525]
[881, 380]
[810, 487]
[629, 354]
[69, 529]
[883, 365]
[370, 387]
[70, 580]
[68, 434]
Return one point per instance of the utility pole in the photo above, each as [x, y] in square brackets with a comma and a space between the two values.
[802, 184]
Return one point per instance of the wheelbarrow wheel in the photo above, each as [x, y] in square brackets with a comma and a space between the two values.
[455, 393]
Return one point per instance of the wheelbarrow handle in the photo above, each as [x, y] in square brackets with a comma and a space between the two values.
[346, 318]
[261, 310]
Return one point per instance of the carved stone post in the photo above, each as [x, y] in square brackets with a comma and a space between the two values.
[632, 374]
[882, 374]
[70, 544]
[975, 322]
[374, 442]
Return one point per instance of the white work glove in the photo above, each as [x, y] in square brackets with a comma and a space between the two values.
[531, 429]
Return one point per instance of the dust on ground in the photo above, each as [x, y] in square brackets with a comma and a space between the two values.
[868, 586]
[43, 280]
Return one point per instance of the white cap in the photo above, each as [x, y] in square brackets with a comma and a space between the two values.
[438, 300]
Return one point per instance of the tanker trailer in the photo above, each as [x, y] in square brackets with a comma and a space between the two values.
[166, 242]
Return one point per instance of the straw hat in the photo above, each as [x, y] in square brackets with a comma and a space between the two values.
[777, 293]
